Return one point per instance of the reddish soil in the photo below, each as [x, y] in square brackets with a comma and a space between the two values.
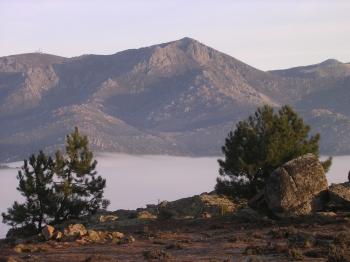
[215, 239]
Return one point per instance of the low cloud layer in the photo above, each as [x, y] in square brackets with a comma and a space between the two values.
[134, 181]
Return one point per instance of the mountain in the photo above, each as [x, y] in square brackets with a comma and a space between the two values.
[180, 98]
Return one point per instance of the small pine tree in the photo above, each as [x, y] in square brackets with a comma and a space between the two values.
[35, 185]
[79, 189]
[259, 145]
[58, 189]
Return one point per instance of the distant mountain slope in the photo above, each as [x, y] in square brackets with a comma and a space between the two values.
[24, 79]
[330, 68]
[180, 97]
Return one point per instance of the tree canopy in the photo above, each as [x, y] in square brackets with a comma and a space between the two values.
[60, 188]
[259, 145]
[34, 179]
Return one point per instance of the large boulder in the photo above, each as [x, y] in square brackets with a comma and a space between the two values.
[339, 196]
[296, 188]
[48, 232]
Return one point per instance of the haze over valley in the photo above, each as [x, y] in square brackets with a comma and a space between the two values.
[135, 181]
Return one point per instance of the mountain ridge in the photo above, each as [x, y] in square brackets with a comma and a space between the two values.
[180, 97]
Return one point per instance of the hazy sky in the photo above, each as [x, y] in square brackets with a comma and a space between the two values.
[265, 34]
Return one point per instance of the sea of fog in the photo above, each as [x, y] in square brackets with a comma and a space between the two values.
[134, 181]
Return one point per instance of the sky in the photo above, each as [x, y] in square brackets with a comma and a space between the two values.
[267, 34]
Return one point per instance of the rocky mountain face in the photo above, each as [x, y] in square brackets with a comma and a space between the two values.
[176, 98]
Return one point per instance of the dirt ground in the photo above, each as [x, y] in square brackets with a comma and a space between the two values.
[214, 239]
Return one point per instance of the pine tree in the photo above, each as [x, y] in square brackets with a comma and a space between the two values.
[35, 184]
[259, 145]
[79, 189]
[58, 189]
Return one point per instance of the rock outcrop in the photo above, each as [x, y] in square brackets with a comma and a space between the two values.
[104, 236]
[145, 215]
[296, 188]
[108, 218]
[75, 231]
[48, 232]
[203, 205]
[339, 196]
[78, 233]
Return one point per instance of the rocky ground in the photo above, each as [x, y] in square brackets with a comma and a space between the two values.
[244, 236]
[296, 217]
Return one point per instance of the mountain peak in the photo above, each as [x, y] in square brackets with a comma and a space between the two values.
[181, 54]
[183, 43]
[187, 39]
[330, 61]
